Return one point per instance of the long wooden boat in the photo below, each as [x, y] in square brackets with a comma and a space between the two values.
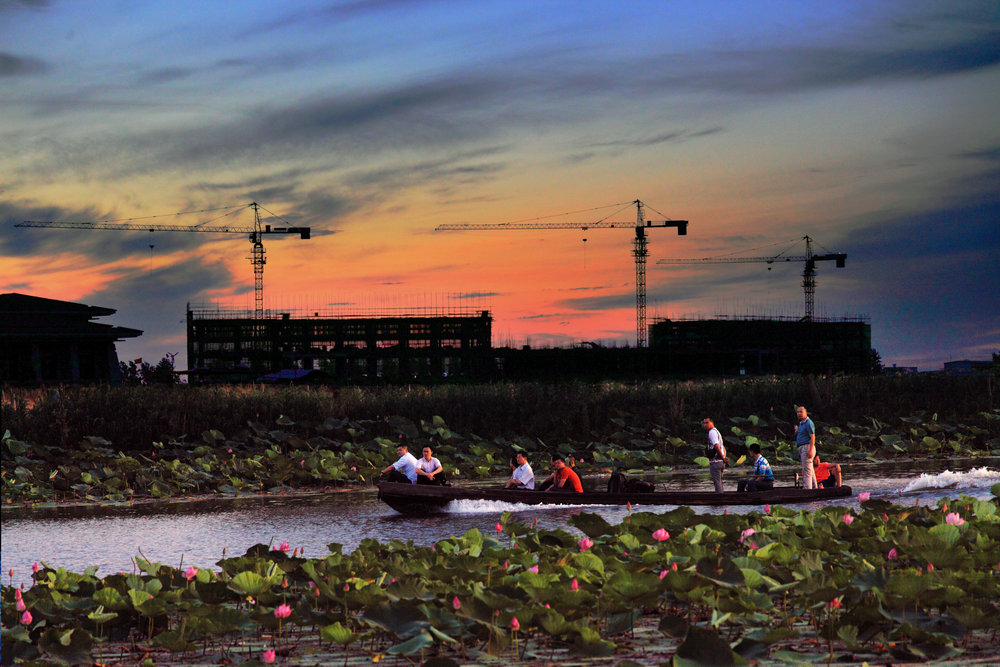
[424, 499]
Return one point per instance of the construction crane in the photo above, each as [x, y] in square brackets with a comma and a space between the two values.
[639, 247]
[255, 234]
[808, 272]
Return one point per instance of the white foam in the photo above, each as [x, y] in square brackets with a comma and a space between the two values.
[488, 506]
[977, 478]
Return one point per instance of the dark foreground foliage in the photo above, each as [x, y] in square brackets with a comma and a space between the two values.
[884, 585]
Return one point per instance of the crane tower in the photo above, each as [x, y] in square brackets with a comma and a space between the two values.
[255, 234]
[639, 248]
[808, 271]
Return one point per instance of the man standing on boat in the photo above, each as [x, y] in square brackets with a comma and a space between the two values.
[405, 469]
[805, 438]
[429, 468]
[716, 453]
[563, 478]
[763, 478]
[523, 476]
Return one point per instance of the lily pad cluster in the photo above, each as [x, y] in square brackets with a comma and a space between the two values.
[288, 456]
[888, 583]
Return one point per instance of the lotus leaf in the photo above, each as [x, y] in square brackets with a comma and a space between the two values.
[71, 646]
[402, 620]
[703, 648]
[338, 634]
[412, 645]
[249, 583]
[589, 643]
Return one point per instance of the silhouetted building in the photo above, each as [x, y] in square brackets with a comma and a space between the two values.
[749, 346]
[45, 341]
[968, 367]
[234, 346]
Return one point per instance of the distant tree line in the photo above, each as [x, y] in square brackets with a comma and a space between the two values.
[144, 373]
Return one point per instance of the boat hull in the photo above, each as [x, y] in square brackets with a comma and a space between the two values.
[425, 499]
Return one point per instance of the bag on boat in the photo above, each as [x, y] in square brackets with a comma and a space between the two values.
[620, 483]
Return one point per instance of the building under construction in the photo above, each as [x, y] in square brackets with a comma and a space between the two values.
[759, 346]
[235, 346]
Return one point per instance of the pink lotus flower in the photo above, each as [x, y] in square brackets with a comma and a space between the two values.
[746, 533]
[302, 463]
[282, 611]
[17, 593]
[514, 624]
[36, 567]
[628, 504]
[835, 603]
[533, 568]
[660, 535]
[11, 572]
[848, 519]
[499, 527]
[230, 450]
[930, 567]
[673, 566]
[574, 585]
[885, 517]
[456, 604]
[954, 519]
[767, 509]
[585, 544]
[753, 545]
[284, 547]
[191, 573]
[893, 554]
[26, 618]
[20, 605]
[863, 496]
[506, 564]
[268, 656]
[663, 573]
[347, 587]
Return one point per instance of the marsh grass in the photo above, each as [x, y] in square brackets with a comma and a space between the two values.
[133, 417]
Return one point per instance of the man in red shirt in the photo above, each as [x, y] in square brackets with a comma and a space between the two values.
[563, 478]
[827, 474]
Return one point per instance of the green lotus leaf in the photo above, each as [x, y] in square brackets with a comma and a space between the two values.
[101, 616]
[947, 535]
[673, 626]
[721, 571]
[590, 644]
[591, 525]
[249, 583]
[702, 461]
[70, 646]
[338, 634]
[412, 645]
[555, 623]
[173, 640]
[704, 647]
[401, 620]
[110, 598]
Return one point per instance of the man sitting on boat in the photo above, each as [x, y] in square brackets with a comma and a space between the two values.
[827, 474]
[523, 476]
[405, 469]
[429, 468]
[763, 478]
[563, 478]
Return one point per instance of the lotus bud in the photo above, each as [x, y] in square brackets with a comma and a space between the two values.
[514, 624]
[660, 535]
[26, 618]
[574, 585]
[268, 656]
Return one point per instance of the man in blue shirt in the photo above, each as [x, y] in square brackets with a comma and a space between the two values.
[805, 438]
[763, 478]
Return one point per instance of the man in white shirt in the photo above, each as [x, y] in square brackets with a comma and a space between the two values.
[429, 468]
[716, 453]
[405, 469]
[523, 477]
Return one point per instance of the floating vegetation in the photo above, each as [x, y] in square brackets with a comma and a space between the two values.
[885, 584]
[288, 456]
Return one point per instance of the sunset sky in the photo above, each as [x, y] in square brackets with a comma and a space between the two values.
[870, 126]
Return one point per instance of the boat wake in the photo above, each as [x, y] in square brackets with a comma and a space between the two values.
[493, 506]
[975, 479]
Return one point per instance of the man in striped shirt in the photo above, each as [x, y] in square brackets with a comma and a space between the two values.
[763, 478]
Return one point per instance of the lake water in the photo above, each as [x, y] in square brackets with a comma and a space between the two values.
[196, 533]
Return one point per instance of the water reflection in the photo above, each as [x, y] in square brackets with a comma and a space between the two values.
[197, 532]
